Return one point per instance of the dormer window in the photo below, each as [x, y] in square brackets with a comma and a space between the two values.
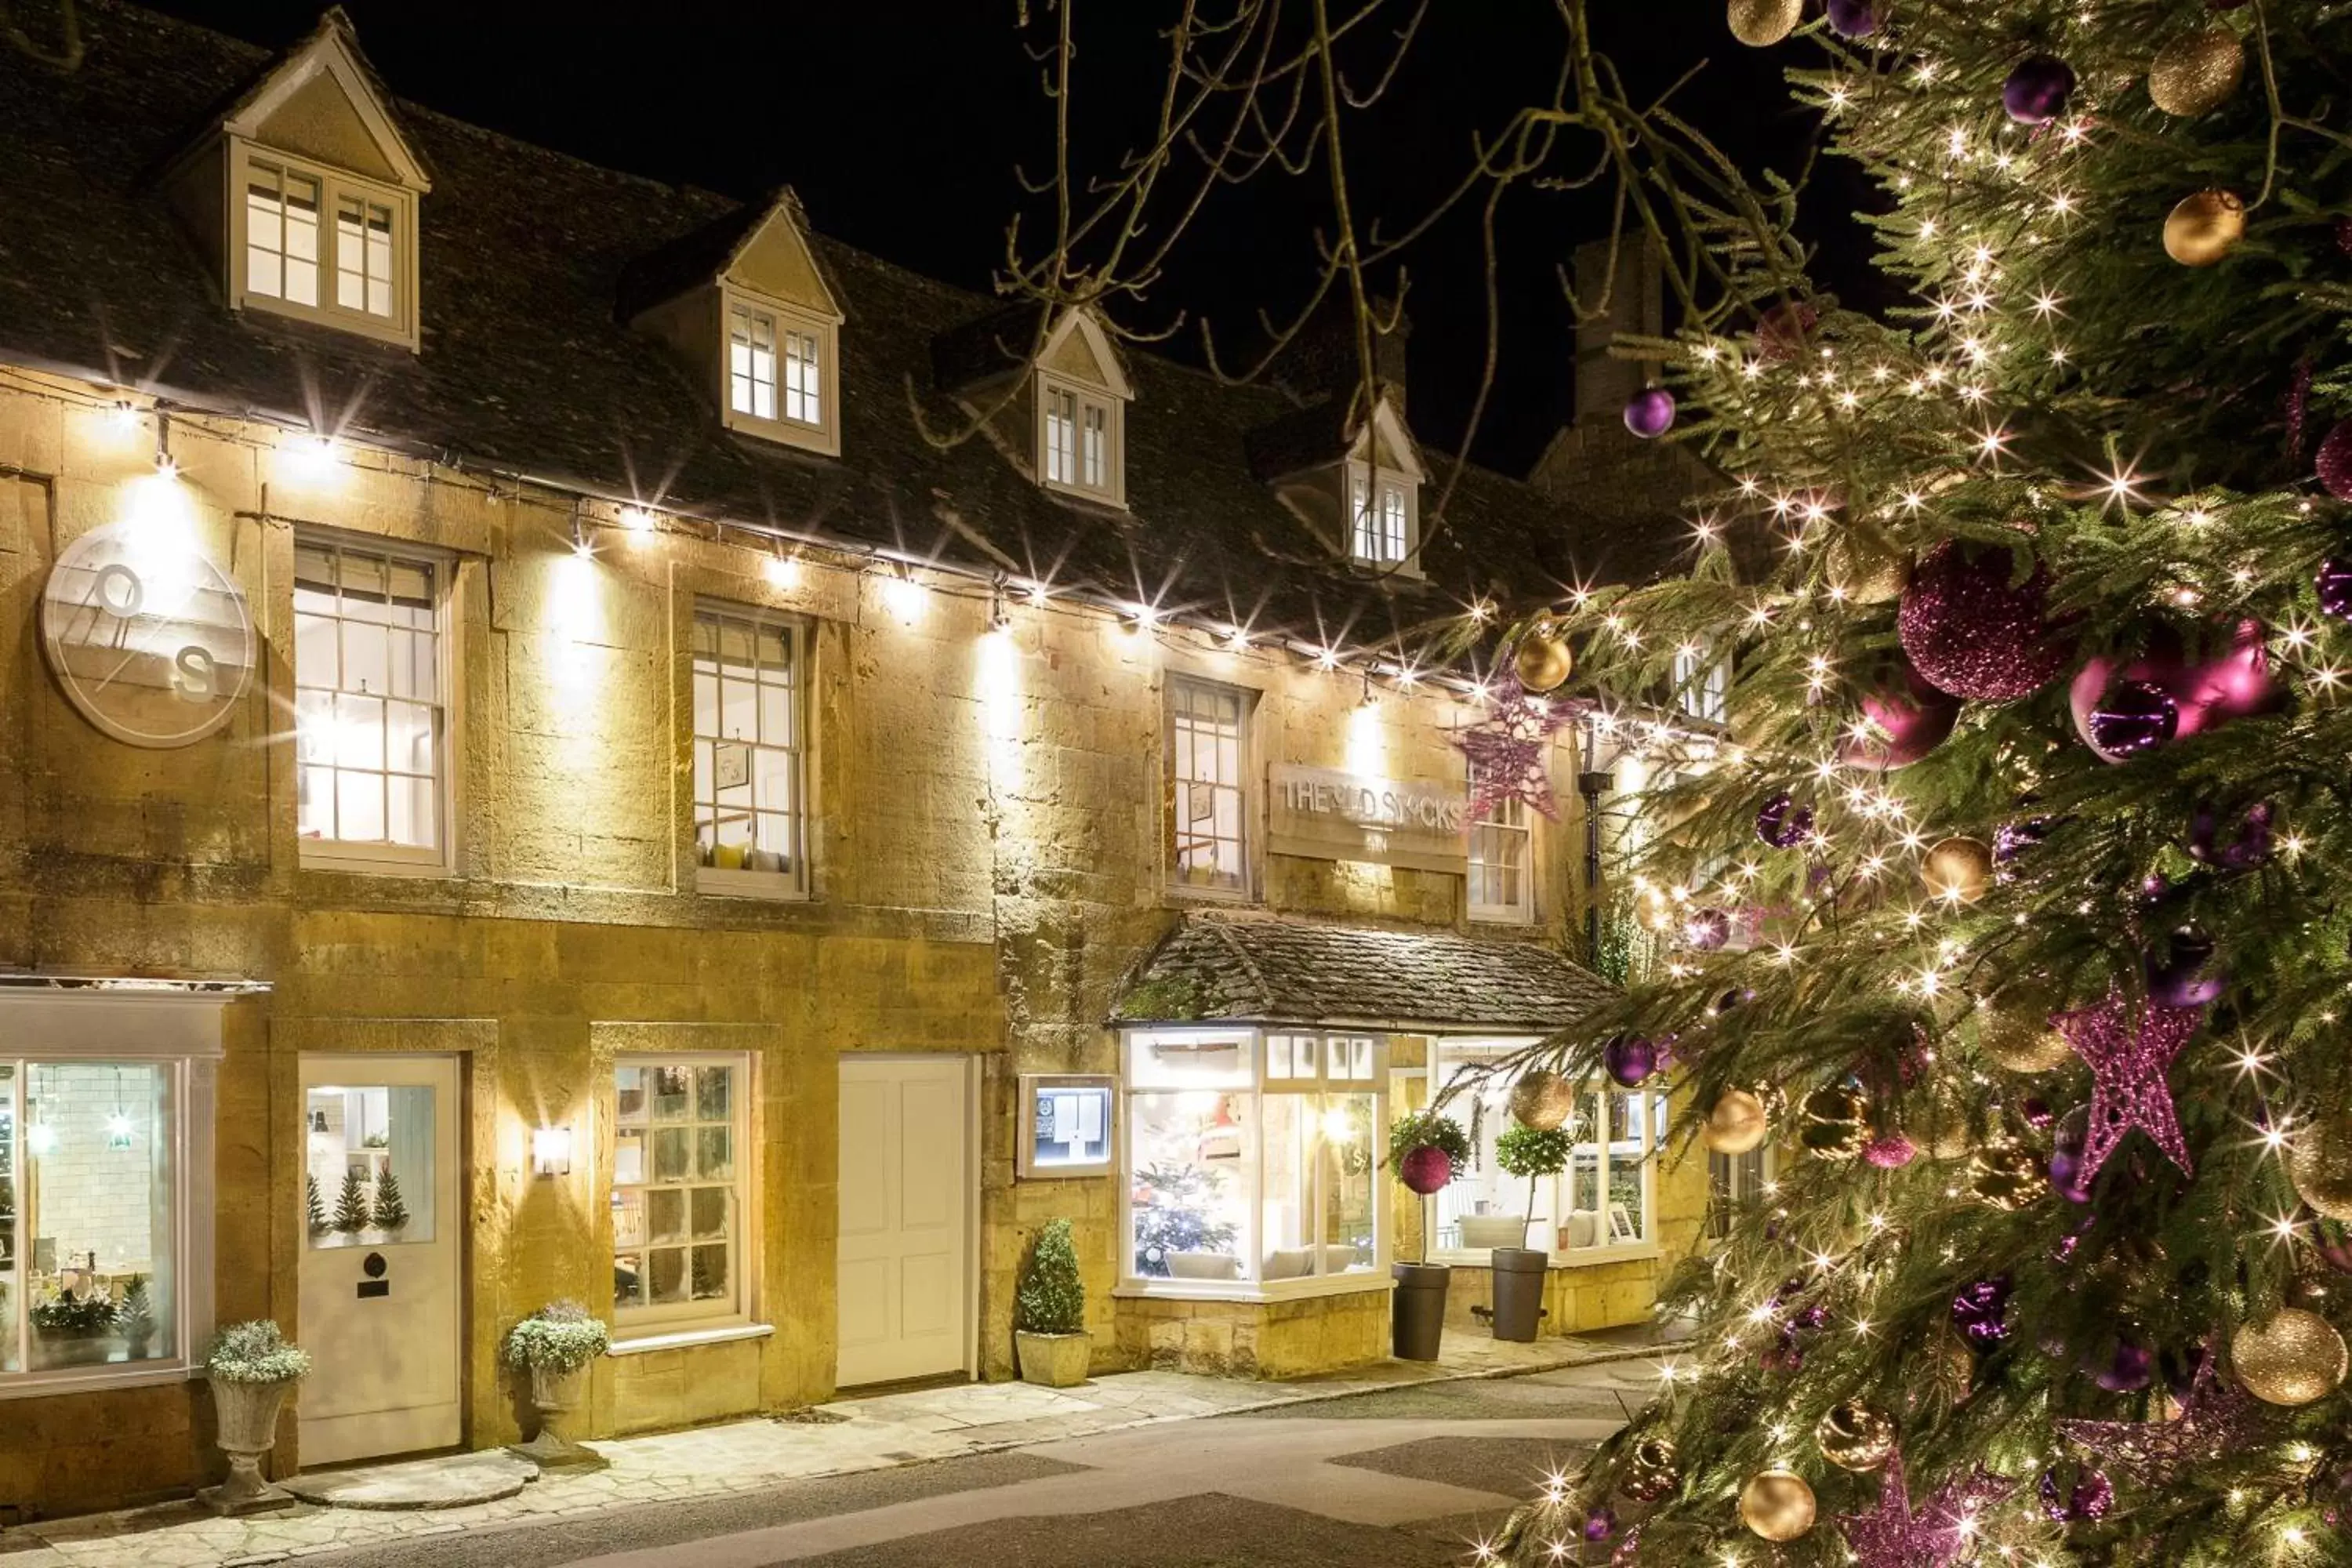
[780, 371]
[290, 253]
[1080, 441]
[1385, 523]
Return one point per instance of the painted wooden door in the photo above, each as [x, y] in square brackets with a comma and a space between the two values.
[382, 1252]
[905, 1263]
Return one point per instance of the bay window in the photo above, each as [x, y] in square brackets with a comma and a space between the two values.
[1254, 1161]
[1604, 1200]
[680, 1173]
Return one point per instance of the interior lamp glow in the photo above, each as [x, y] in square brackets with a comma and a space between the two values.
[117, 1132]
[550, 1150]
[40, 1138]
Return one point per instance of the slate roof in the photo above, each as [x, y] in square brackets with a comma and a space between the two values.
[1268, 970]
[526, 369]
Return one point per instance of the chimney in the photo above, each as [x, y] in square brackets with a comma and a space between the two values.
[1636, 305]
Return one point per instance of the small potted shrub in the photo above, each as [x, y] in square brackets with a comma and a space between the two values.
[1425, 1150]
[135, 1319]
[1049, 1327]
[252, 1369]
[1534, 1152]
[555, 1345]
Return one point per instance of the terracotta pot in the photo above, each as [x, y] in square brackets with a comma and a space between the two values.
[1053, 1361]
[247, 1417]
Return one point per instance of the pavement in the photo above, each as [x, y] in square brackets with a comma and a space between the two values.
[1398, 1464]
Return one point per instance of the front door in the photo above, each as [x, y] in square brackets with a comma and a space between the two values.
[904, 1281]
[383, 1238]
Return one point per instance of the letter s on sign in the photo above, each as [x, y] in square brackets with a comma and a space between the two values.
[195, 676]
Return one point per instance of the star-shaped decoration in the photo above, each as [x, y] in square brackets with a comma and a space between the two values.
[2213, 1420]
[1930, 1534]
[2129, 1056]
[1509, 751]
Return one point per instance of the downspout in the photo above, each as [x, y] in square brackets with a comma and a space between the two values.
[1591, 783]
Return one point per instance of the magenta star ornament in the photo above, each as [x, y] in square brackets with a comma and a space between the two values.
[2213, 1420]
[1931, 1534]
[2129, 1048]
[1510, 749]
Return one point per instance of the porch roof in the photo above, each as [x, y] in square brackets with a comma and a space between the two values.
[1263, 969]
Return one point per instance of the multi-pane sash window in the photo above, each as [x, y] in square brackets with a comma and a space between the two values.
[679, 1167]
[370, 709]
[804, 396]
[281, 233]
[1209, 799]
[751, 362]
[1381, 512]
[1702, 682]
[1078, 440]
[1501, 887]
[1062, 438]
[1096, 448]
[364, 255]
[750, 816]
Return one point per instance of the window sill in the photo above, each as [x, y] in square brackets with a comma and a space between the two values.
[1582, 1257]
[1501, 917]
[318, 855]
[1251, 1291]
[765, 887]
[682, 1339]
[35, 1386]
[1184, 893]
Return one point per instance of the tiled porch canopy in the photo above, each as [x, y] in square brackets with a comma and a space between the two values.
[1238, 968]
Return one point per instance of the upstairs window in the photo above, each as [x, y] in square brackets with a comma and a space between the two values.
[281, 234]
[779, 373]
[1502, 884]
[752, 362]
[325, 246]
[1208, 790]
[1382, 516]
[1078, 439]
[1702, 683]
[750, 826]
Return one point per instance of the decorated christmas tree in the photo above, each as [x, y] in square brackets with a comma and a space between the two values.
[351, 1215]
[2010, 910]
[314, 1207]
[391, 1209]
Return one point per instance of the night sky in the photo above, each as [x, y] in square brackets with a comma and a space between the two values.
[900, 124]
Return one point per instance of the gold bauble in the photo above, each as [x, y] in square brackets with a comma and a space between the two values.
[2007, 1176]
[1957, 870]
[1542, 659]
[2291, 1357]
[1759, 24]
[1853, 1436]
[1650, 1471]
[2205, 228]
[1734, 1124]
[1941, 1128]
[1542, 1100]
[2321, 1167]
[1836, 1121]
[2199, 73]
[1949, 1373]
[1865, 573]
[1777, 1505]
[2013, 1031]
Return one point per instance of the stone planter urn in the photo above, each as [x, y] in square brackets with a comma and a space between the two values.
[556, 1395]
[247, 1415]
[1053, 1361]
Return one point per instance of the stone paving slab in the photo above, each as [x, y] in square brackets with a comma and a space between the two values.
[461, 1480]
[860, 1433]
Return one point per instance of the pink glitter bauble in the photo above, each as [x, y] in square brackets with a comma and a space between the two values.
[1973, 631]
[2333, 463]
[2236, 684]
[1913, 716]
[1426, 1170]
[1890, 1152]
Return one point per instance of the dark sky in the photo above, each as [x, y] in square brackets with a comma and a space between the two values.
[900, 123]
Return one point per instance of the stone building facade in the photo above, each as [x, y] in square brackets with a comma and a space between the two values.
[510, 682]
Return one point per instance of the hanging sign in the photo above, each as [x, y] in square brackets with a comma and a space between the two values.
[149, 637]
[1329, 815]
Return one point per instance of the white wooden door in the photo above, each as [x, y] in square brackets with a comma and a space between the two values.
[382, 1141]
[904, 1281]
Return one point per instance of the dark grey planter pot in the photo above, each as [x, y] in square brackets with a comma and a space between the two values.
[1417, 1309]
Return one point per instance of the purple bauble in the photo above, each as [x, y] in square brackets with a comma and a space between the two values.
[1706, 929]
[1915, 717]
[2203, 693]
[2182, 971]
[1781, 823]
[1980, 1311]
[2334, 584]
[1854, 18]
[1628, 1060]
[2068, 1177]
[1972, 631]
[2131, 1368]
[2036, 1111]
[2011, 839]
[2246, 848]
[2333, 462]
[1891, 1153]
[2130, 717]
[1651, 413]
[2035, 92]
[1426, 1170]
[1601, 1524]
[2092, 1495]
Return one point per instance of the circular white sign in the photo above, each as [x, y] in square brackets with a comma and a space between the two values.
[149, 638]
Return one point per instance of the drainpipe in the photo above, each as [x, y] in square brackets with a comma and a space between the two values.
[1591, 783]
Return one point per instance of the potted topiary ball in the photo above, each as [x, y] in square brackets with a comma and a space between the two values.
[1049, 1325]
[1519, 1271]
[251, 1369]
[1426, 1149]
[555, 1345]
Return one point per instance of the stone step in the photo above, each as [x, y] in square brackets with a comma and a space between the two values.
[448, 1480]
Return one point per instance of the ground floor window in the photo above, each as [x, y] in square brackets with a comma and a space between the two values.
[1252, 1159]
[1602, 1196]
[679, 1177]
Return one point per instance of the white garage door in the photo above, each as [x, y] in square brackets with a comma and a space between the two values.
[905, 1280]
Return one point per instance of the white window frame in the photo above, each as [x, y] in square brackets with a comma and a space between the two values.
[690, 1317]
[1508, 817]
[359, 855]
[1252, 1080]
[1734, 1181]
[795, 883]
[1375, 501]
[1606, 1246]
[1092, 409]
[1702, 683]
[182, 1032]
[1244, 785]
[335, 187]
[821, 435]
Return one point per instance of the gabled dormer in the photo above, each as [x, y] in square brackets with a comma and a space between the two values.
[1082, 397]
[305, 194]
[1355, 481]
[745, 303]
